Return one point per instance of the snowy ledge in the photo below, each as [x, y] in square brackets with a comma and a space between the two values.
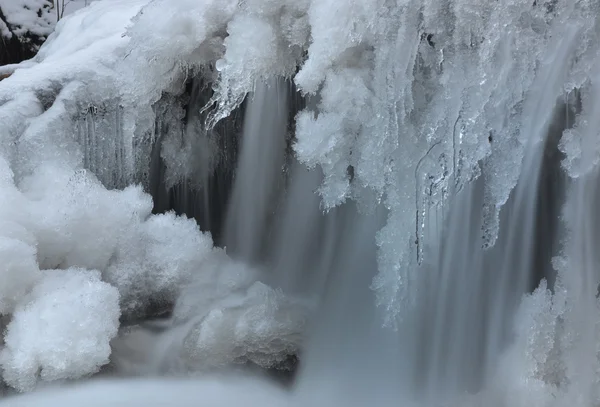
[79, 256]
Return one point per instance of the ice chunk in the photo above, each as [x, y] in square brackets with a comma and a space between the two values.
[222, 319]
[338, 33]
[219, 279]
[258, 325]
[78, 222]
[173, 40]
[156, 259]
[255, 51]
[62, 330]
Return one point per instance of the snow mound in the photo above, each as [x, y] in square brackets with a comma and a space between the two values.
[66, 222]
[61, 330]
[156, 260]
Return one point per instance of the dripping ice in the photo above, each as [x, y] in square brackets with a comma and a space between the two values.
[413, 187]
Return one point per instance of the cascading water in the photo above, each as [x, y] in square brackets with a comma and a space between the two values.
[259, 170]
[191, 169]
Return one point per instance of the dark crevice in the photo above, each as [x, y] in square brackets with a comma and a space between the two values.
[207, 200]
[551, 195]
[17, 49]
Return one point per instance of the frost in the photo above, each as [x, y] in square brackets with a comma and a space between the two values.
[156, 259]
[539, 331]
[257, 48]
[261, 326]
[62, 330]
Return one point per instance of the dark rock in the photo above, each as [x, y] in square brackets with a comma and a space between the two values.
[17, 48]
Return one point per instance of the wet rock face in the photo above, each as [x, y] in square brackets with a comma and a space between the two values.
[283, 373]
[136, 350]
[13, 51]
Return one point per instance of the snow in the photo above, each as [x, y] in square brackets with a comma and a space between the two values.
[23, 16]
[19, 269]
[85, 46]
[157, 258]
[36, 17]
[59, 217]
[62, 329]
[4, 30]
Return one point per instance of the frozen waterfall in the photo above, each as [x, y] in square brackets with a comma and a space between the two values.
[308, 202]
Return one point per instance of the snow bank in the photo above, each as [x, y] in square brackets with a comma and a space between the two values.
[27, 17]
[74, 5]
[63, 221]
[61, 330]
[61, 228]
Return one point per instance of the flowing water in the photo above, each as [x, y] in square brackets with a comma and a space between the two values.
[259, 168]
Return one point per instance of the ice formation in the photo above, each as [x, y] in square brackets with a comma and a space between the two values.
[408, 103]
[64, 148]
[61, 330]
